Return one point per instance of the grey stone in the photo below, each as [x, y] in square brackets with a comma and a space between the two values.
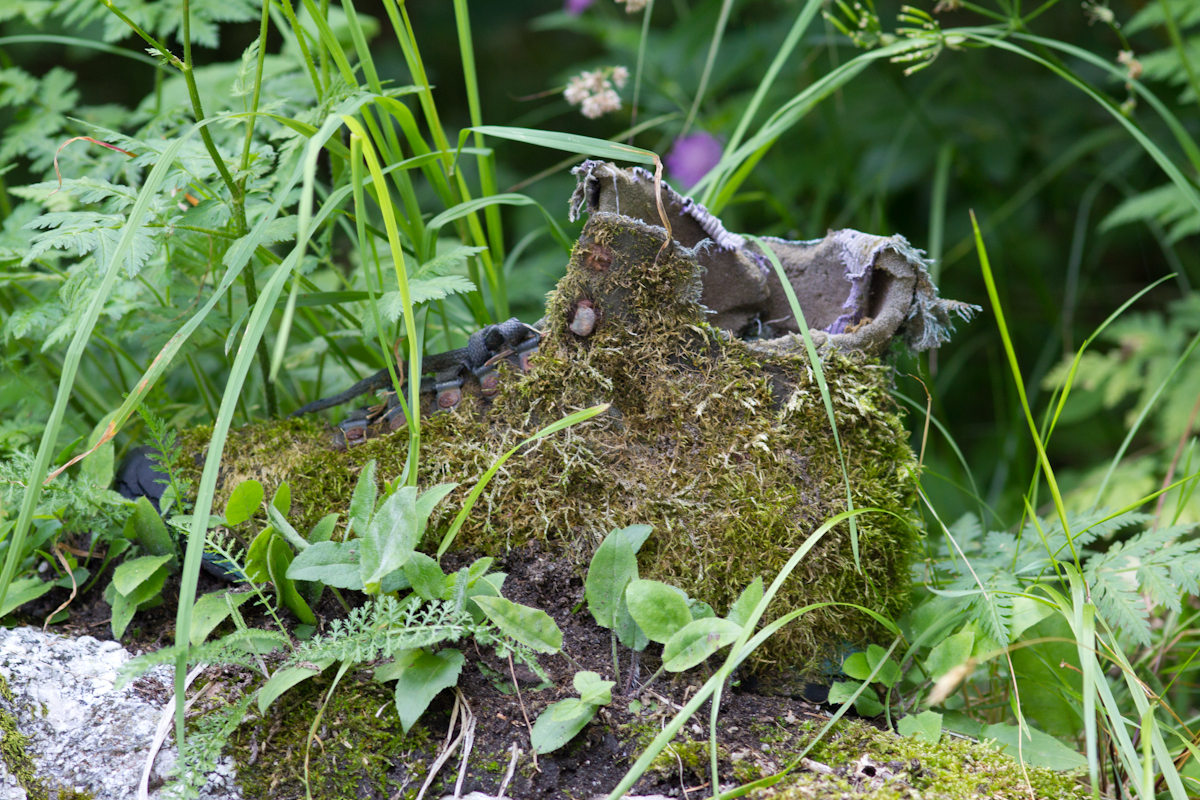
[84, 732]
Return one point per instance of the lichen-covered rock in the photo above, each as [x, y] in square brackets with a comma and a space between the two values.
[72, 729]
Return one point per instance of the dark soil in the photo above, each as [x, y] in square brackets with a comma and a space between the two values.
[361, 751]
[592, 764]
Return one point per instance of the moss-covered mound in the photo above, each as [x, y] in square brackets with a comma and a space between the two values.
[725, 450]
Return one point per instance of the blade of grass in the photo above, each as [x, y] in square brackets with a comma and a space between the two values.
[255, 327]
[1015, 368]
[469, 503]
[814, 360]
[713, 47]
[70, 366]
[414, 345]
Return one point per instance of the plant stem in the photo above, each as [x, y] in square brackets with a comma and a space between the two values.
[236, 197]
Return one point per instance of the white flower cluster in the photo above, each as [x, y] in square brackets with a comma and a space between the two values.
[633, 6]
[594, 92]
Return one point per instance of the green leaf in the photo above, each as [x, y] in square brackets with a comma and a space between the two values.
[97, 468]
[657, 608]
[282, 501]
[559, 724]
[285, 679]
[211, 610]
[147, 528]
[245, 499]
[362, 501]
[860, 666]
[867, 704]
[531, 627]
[751, 596]
[429, 500]
[389, 539]
[636, 535]
[279, 558]
[628, 632]
[949, 653]
[284, 528]
[124, 606]
[486, 586]
[613, 566]
[592, 688]
[323, 530]
[256, 556]
[134, 572]
[425, 576]
[1038, 749]
[331, 563]
[697, 641]
[571, 143]
[926, 725]
[22, 591]
[421, 678]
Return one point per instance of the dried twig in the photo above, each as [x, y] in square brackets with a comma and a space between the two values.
[512, 671]
[164, 728]
[512, 767]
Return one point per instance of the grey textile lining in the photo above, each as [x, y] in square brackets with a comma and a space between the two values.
[858, 291]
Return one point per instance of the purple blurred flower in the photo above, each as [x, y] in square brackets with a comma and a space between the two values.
[693, 156]
[576, 7]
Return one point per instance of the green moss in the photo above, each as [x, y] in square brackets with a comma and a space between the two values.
[953, 769]
[724, 449]
[14, 749]
[360, 754]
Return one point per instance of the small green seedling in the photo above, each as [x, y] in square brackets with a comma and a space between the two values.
[562, 721]
[860, 666]
[614, 567]
[270, 554]
[387, 537]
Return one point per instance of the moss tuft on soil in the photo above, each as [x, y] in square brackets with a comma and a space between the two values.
[362, 752]
[725, 450]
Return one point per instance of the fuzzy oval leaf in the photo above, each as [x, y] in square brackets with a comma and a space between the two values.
[323, 530]
[559, 724]
[256, 556]
[636, 535]
[425, 576]
[531, 627]
[282, 500]
[244, 500]
[628, 632]
[389, 539]
[748, 600]
[279, 558]
[362, 501]
[949, 653]
[135, 572]
[331, 563]
[285, 679]
[592, 688]
[147, 528]
[697, 641]
[421, 680]
[926, 725]
[657, 608]
[22, 591]
[211, 610]
[613, 566]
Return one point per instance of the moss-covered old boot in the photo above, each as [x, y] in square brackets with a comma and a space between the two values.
[724, 446]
